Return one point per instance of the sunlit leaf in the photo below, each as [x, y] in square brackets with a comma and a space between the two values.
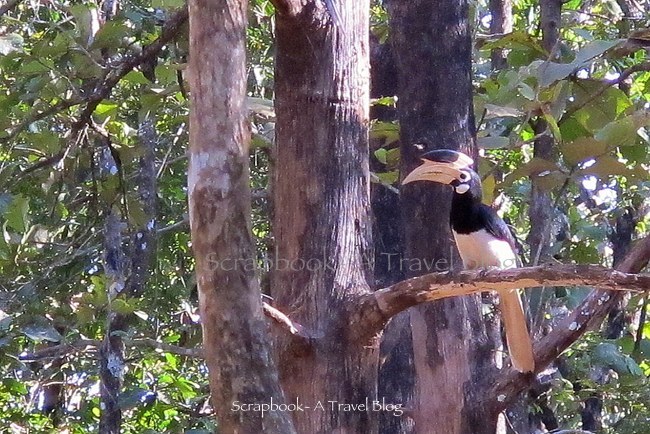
[582, 149]
[41, 329]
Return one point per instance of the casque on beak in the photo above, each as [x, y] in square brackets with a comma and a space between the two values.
[442, 166]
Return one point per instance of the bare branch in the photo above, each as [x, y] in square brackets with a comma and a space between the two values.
[285, 322]
[301, 338]
[60, 350]
[166, 348]
[373, 310]
[83, 345]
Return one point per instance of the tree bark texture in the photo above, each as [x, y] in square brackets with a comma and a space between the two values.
[452, 353]
[235, 336]
[541, 210]
[322, 225]
[128, 273]
[501, 13]
[396, 371]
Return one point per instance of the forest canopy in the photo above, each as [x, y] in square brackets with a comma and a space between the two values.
[96, 254]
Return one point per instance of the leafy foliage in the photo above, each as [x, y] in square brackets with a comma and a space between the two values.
[68, 157]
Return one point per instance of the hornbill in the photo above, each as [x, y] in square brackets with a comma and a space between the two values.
[482, 238]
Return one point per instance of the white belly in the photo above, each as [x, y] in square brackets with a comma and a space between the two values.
[481, 250]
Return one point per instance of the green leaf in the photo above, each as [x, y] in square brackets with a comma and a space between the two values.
[17, 213]
[608, 354]
[41, 329]
[624, 131]
[380, 155]
[575, 296]
[389, 131]
[604, 167]
[550, 72]
[527, 92]
[583, 149]
[167, 4]
[599, 111]
[47, 142]
[135, 397]
[123, 307]
[34, 67]
[492, 142]
[533, 168]
[552, 124]
[584, 253]
[136, 77]
[594, 49]
[110, 35]
[387, 178]
[106, 109]
[517, 40]
[388, 101]
[496, 111]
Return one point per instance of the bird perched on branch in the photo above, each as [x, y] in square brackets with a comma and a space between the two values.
[482, 238]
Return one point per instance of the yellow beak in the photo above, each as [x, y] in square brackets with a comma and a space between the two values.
[443, 173]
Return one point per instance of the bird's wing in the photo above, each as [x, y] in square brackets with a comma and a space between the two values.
[512, 311]
[496, 226]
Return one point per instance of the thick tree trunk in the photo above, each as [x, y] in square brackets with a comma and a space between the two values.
[453, 356]
[235, 337]
[396, 371]
[322, 226]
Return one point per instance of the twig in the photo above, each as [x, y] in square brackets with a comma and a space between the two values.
[60, 350]
[639, 331]
[640, 67]
[166, 348]
[301, 339]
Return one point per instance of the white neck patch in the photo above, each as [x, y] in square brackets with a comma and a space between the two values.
[462, 188]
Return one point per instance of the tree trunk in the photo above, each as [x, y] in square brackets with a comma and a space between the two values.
[453, 355]
[541, 208]
[322, 225]
[501, 13]
[396, 371]
[235, 336]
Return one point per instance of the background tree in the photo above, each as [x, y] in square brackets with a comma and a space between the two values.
[88, 90]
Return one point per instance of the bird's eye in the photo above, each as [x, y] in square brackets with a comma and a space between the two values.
[464, 176]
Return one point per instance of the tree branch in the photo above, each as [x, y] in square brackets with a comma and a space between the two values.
[373, 310]
[169, 30]
[626, 73]
[82, 345]
[300, 338]
[588, 315]
[60, 350]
